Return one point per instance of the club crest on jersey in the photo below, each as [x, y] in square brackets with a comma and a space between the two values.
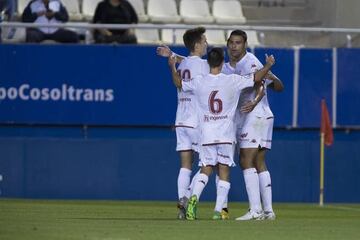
[253, 65]
[243, 135]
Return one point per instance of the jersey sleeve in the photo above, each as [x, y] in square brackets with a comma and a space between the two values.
[258, 64]
[188, 86]
[244, 81]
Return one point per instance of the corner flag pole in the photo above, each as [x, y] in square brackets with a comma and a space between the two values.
[326, 138]
[321, 197]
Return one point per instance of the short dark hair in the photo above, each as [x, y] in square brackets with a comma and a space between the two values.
[193, 36]
[238, 32]
[215, 57]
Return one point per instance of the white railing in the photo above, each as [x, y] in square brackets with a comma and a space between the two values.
[89, 26]
[180, 26]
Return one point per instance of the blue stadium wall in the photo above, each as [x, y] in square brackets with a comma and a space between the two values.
[93, 122]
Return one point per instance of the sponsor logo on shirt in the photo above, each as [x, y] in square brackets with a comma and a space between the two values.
[208, 118]
[184, 99]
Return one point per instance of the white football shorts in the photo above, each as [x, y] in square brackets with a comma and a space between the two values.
[211, 155]
[187, 139]
[255, 132]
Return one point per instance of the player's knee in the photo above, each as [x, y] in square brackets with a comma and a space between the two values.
[260, 166]
[246, 163]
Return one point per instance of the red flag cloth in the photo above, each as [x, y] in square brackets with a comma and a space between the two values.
[326, 125]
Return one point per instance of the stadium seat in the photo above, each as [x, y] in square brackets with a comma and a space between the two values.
[215, 37]
[21, 5]
[253, 39]
[163, 11]
[195, 11]
[167, 36]
[73, 9]
[18, 36]
[228, 12]
[88, 8]
[147, 36]
[139, 7]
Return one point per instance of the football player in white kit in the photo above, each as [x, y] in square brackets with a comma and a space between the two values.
[186, 122]
[235, 53]
[217, 97]
[254, 128]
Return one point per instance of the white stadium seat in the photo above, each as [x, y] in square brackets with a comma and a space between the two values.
[168, 35]
[163, 11]
[253, 39]
[88, 8]
[147, 36]
[228, 12]
[215, 37]
[21, 5]
[195, 11]
[139, 7]
[18, 35]
[73, 9]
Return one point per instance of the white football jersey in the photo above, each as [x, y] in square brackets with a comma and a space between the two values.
[189, 68]
[228, 69]
[217, 97]
[250, 64]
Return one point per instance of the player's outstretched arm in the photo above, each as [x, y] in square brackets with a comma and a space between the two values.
[165, 51]
[175, 76]
[277, 84]
[260, 93]
[259, 75]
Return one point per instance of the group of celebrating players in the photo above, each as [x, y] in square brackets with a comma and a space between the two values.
[221, 105]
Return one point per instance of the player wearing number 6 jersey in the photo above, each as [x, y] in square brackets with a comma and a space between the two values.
[216, 96]
[186, 119]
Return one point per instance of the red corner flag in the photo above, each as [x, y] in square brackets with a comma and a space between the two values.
[326, 128]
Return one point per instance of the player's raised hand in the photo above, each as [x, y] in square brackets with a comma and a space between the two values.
[163, 51]
[270, 59]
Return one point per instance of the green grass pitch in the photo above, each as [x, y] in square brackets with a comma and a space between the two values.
[132, 220]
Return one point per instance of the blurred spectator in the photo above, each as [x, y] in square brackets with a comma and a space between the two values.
[48, 11]
[7, 9]
[115, 12]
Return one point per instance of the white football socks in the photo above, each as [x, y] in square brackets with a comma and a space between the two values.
[265, 190]
[183, 181]
[252, 188]
[226, 198]
[199, 185]
[222, 191]
[191, 187]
